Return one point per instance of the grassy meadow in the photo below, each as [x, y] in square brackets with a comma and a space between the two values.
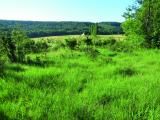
[118, 37]
[89, 82]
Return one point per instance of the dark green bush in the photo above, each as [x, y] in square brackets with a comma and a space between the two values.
[3, 116]
[30, 46]
[39, 61]
[1, 67]
[13, 43]
[127, 71]
[29, 60]
[41, 46]
[36, 47]
[71, 43]
[88, 41]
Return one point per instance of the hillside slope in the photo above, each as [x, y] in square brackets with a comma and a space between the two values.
[41, 29]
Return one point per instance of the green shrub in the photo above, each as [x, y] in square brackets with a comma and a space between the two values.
[3, 116]
[129, 44]
[41, 46]
[57, 44]
[98, 42]
[29, 60]
[39, 61]
[127, 71]
[72, 43]
[1, 67]
[36, 47]
[110, 41]
[122, 46]
[13, 43]
[30, 46]
[136, 40]
[88, 41]
[91, 51]
[107, 42]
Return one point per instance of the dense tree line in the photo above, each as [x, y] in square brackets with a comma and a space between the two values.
[142, 19]
[40, 29]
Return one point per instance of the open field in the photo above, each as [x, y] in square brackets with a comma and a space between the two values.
[118, 37]
[83, 84]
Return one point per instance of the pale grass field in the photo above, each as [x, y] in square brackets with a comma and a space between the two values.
[117, 37]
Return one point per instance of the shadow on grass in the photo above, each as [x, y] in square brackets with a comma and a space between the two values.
[82, 86]
[83, 113]
[3, 116]
[39, 63]
[127, 72]
[107, 99]
[15, 68]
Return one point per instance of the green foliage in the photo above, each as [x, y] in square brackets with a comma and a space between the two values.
[41, 46]
[122, 46]
[130, 27]
[71, 43]
[88, 41]
[2, 54]
[67, 84]
[91, 51]
[42, 29]
[88, 89]
[9, 46]
[32, 46]
[127, 72]
[13, 43]
[144, 20]
[1, 67]
[93, 30]
[110, 41]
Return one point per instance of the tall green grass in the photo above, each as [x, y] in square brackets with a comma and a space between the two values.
[77, 86]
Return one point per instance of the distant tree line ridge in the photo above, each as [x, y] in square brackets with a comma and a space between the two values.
[42, 29]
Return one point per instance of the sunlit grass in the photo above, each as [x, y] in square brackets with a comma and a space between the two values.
[78, 36]
[77, 86]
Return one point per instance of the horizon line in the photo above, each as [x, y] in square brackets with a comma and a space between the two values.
[58, 21]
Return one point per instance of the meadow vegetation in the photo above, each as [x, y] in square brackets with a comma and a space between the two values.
[84, 77]
[79, 80]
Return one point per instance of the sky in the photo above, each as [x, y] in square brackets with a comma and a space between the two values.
[64, 10]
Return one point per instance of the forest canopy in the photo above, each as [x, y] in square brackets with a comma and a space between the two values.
[41, 29]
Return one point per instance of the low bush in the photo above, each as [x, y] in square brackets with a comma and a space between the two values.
[121, 46]
[57, 44]
[88, 41]
[36, 47]
[91, 51]
[30, 46]
[1, 67]
[110, 41]
[105, 42]
[38, 61]
[136, 41]
[127, 71]
[3, 116]
[41, 46]
[71, 43]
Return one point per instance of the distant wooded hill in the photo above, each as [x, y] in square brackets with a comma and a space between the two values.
[41, 29]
